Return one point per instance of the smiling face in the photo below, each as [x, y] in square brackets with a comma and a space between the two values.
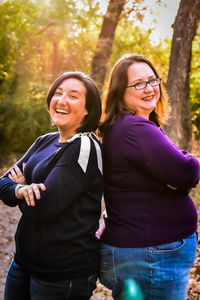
[67, 107]
[141, 102]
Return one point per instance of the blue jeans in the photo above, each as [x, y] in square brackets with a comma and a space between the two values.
[22, 286]
[159, 272]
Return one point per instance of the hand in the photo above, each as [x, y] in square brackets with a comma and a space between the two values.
[29, 191]
[101, 229]
[16, 175]
[101, 226]
[172, 187]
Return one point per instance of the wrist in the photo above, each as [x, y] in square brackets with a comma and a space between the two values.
[17, 194]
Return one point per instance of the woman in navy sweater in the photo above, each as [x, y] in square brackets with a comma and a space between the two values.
[56, 253]
[150, 229]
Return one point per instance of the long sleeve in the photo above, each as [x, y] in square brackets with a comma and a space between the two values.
[137, 175]
[149, 148]
[7, 191]
[64, 184]
[7, 186]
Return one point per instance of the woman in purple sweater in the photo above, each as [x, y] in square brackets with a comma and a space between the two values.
[150, 229]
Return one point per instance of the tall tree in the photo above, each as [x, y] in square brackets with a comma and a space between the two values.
[104, 44]
[179, 126]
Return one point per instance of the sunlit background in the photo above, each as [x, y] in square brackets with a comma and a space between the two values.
[158, 15]
[39, 39]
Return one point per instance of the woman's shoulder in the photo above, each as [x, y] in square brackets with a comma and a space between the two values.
[128, 121]
[82, 143]
[47, 137]
[133, 119]
[82, 150]
[43, 139]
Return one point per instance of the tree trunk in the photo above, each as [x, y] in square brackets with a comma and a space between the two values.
[104, 44]
[179, 126]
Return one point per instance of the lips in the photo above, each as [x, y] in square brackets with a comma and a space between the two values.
[61, 111]
[148, 98]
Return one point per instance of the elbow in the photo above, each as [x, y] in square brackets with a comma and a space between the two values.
[188, 178]
[10, 202]
[185, 184]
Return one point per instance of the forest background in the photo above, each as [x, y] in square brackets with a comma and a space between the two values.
[40, 39]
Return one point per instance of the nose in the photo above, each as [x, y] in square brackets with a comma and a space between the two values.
[63, 98]
[148, 87]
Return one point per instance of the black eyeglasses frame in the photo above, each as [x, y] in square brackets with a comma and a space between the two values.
[146, 82]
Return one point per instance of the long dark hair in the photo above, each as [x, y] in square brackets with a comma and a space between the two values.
[114, 99]
[93, 100]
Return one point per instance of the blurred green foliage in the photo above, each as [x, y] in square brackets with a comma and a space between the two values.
[40, 39]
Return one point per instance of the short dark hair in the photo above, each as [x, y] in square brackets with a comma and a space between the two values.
[93, 100]
[114, 98]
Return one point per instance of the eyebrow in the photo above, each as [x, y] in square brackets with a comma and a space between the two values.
[75, 91]
[71, 91]
[141, 79]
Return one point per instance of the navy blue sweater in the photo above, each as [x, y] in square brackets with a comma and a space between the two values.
[55, 240]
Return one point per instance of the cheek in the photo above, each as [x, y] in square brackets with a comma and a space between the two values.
[85, 112]
[51, 104]
[82, 113]
[81, 109]
[50, 110]
[158, 95]
[130, 100]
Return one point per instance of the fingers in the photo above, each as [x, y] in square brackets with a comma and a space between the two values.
[20, 175]
[172, 187]
[12, 175]
[28, 195]
[36, 189]
[42, 186]
[23, 166]
[16, 175]
[30, 192]
[17, 170]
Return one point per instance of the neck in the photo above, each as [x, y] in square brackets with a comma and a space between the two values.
[143, 115]
[64, 136]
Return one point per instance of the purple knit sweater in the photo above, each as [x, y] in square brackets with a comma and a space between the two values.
[139, 162]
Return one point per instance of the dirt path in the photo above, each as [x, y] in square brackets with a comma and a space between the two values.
[8, 219]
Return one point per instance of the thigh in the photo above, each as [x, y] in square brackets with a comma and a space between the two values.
[160, 272]
[107, 274]
[171, 264]
[82, 288]
[63, 290]
[17, 283]
[45, 290]
[109, 268]
[124, 271]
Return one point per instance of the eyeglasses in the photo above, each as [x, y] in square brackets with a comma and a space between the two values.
[143, 84]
